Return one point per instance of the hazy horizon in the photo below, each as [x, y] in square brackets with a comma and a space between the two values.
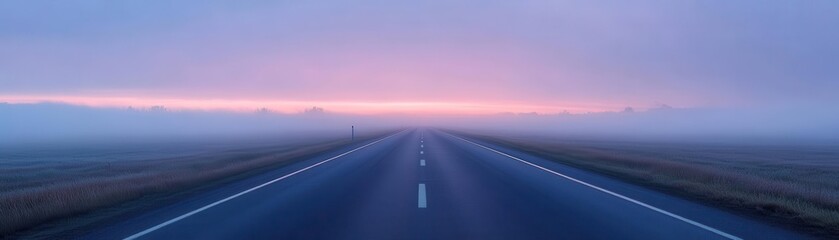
[56, 123]
[439, 119]
[692, 69]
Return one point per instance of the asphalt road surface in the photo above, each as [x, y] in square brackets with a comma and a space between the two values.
[428, 184]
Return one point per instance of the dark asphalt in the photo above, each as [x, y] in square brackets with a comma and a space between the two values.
[471, 193]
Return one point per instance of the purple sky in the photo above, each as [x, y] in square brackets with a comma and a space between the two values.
[423, 56]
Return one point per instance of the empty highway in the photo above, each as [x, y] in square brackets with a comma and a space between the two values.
[429, 184]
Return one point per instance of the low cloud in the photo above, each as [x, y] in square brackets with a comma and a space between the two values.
[47, 122]
[34, 123]
[665, 123]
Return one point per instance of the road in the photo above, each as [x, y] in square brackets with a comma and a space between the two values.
[428, 184]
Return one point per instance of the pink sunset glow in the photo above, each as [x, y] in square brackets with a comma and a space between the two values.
[289, 106]
[500, 119]
[413, 58]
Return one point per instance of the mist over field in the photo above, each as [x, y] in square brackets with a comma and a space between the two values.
[59, 123]
[745, 69]
[56, 123]
[744, 125]
[329, 119]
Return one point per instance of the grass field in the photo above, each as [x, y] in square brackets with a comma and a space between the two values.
[38, 185]
[795, 184]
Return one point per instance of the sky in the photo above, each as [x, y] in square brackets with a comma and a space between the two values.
[421, 57]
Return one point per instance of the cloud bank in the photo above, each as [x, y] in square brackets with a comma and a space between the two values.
[43, 123]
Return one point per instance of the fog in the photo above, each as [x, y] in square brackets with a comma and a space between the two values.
[25, 124]
[724, 125]
[51, 123]
[740, 71]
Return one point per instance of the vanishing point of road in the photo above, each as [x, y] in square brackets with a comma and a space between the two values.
[430, 184]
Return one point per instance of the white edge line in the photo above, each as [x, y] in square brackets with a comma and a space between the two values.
[193, 212]
[662, 211]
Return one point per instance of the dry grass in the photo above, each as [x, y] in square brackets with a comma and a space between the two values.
[89, 186]
[796, 186]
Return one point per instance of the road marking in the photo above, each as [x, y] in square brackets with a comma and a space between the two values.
[421, 203]
[193, 212]
[422, 146]
[421, 152]
[662, 211]
[422, 162]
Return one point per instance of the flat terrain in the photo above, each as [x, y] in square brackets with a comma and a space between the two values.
[794, 183]
[41, 184]
[428, 184]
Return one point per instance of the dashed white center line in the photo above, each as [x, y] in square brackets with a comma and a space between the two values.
[422, 162]
[421, 152]
[421, 203]
[422, 146]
